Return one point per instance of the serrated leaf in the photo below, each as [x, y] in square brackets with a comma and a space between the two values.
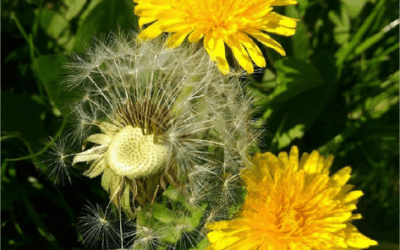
[162, 213]
[171, 235]
[342, 25]
[195, 219]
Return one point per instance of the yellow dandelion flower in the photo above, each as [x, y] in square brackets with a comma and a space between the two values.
[293, 204]
[218, 22]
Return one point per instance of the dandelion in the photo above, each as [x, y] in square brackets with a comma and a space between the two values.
[150, 119]
[58, 161]
[293, 204]
[99, 228]
[219, 22]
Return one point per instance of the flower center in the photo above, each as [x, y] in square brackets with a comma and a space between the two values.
[290, 222]
[132, 154]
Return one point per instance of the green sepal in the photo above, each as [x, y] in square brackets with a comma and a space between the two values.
[125, 202]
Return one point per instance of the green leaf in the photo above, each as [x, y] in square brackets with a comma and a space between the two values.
[291, 119]
[73, 7]
[104, 17]
[369, 42]
[326, 65]
[354, 7]
[171, 234]
[22, 117]
[301, 39]
[50, 71]
[293, 78]
[344, 51]
[201, 245]
[342, 25]
[53, 23]
[194, 220]
[162, 213]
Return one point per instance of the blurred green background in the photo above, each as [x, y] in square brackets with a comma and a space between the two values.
[336, 91]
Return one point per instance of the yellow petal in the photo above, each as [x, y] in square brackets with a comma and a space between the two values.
[353, 196]
[341, 177]
[338, 218]
[356, 239]
[283, 2]
[327, 163]
[294, 158]
[288, 22]
[311, 165]
[145, 20]
[283, 157]
[209, 45]
[244, 244]
[279, 24]
[148, 9]
[265, 39]
[196, 35]
[216, 49]
[219, 225]
[219, 54]
[273, 166]
[150, 32]
[356, 217]
[173, 25]
[223, 239]
[254, 52]
[177, 38]
[303, 160]
[240, 54]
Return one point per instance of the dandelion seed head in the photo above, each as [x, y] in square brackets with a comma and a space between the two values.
[151, 118]
[130, 153]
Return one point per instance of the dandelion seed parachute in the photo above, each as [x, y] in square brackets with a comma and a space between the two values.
[58, 161]
[163, 118]
[100, 228]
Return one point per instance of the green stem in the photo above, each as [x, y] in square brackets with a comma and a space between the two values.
[32, 48]
[44, 149]
[43, 230]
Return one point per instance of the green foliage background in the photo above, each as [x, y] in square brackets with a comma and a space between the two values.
[336, 91]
